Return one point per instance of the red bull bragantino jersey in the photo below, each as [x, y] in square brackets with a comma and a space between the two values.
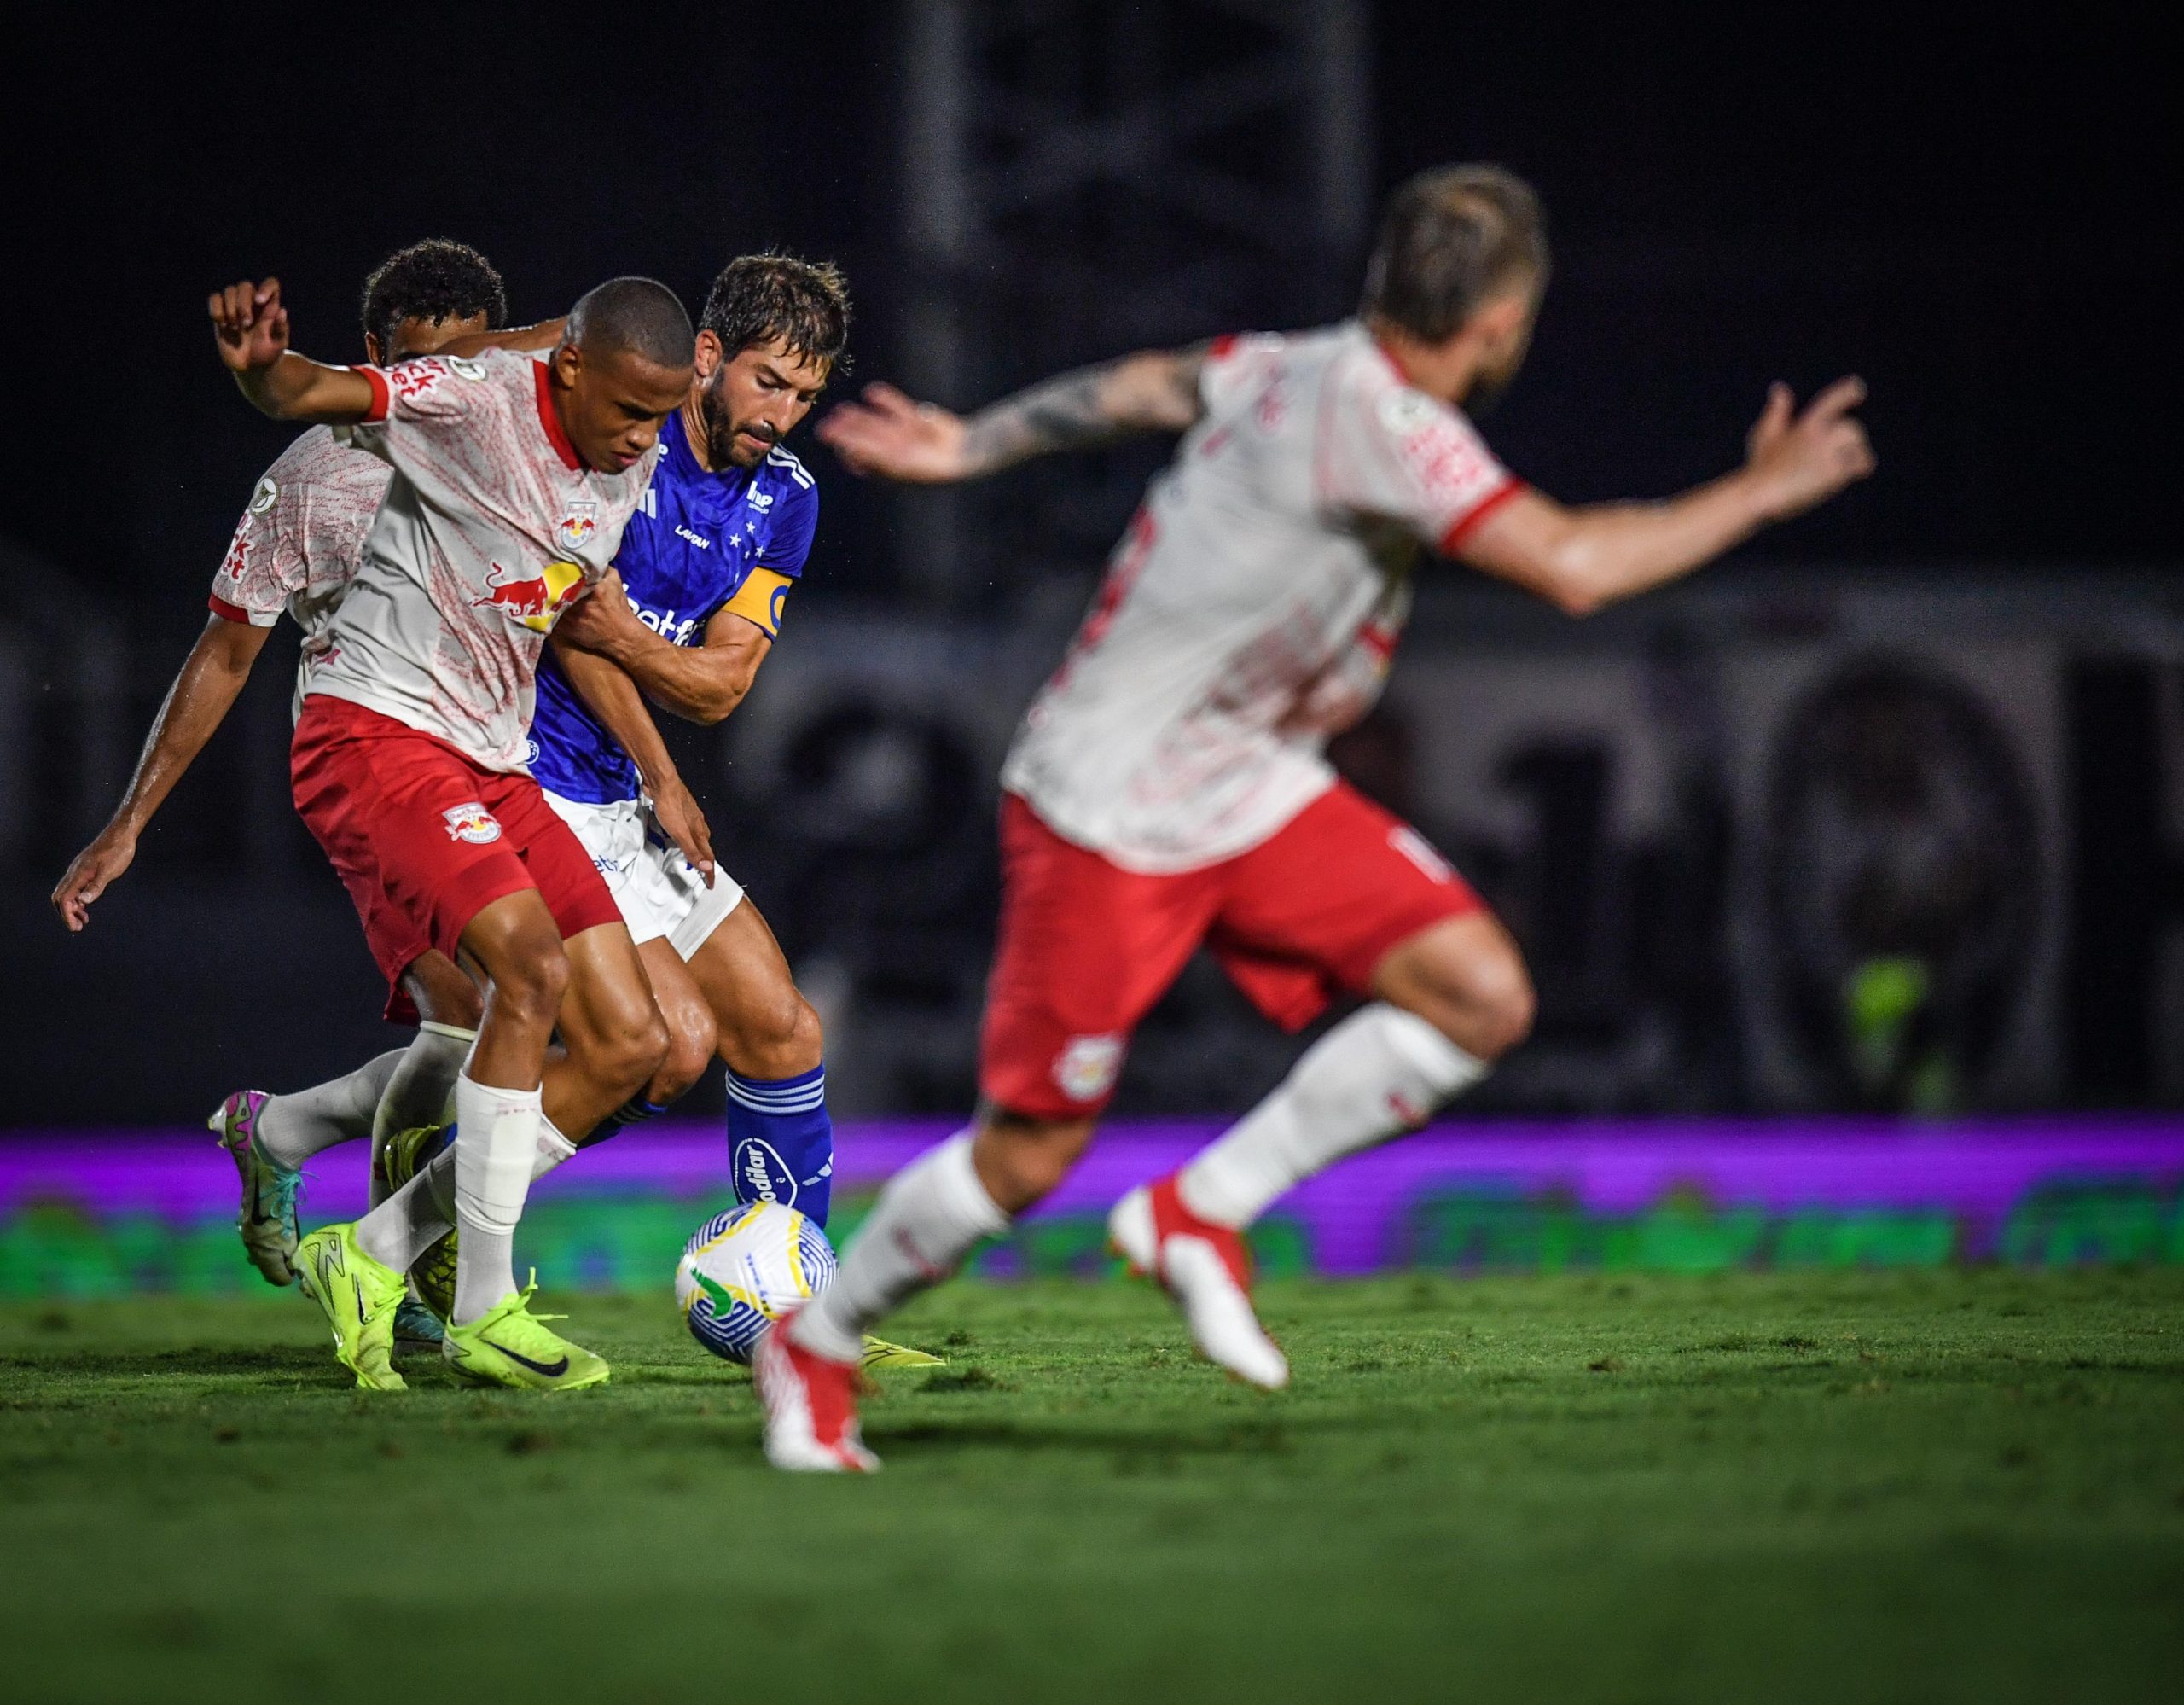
[489, 528]
[297, 547]
[1252, 610]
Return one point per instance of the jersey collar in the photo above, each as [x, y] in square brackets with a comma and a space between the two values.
[552, 422]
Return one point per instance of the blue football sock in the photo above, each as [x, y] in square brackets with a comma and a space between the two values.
[780, 1142]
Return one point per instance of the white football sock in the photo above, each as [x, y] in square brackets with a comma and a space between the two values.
[496, 1143]
[292, 1128]
[418, 1092]
[926, 1221]
[422, 1212]
[1380, 1072]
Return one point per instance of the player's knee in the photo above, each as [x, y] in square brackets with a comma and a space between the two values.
[803, 1044]
[1507, 1005]
[691, 1040]
[532, 978]
[1487, 1005]
[628, 1055]
[1466, 979]
[779, 1040]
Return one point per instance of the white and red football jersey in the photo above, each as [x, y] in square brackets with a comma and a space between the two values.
[297, 547]
[490, 528]
[1251, 610]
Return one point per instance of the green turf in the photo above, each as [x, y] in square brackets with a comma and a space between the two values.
[1921, 1486]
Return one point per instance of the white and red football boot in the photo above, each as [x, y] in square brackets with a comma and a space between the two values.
[811, 1405]
[1208, 1271]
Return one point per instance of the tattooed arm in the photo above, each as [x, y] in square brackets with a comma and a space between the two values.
[888, 433]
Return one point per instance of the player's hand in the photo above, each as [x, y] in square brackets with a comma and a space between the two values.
[1802, 459]
[886, 433]
[89, 876]
[250, 327]
[678, 814]
[602, 622]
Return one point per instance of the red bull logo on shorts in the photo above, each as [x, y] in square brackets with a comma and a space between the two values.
[471, 822]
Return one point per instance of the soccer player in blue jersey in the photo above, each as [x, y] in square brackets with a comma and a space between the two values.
[701, 576]
[706, 567]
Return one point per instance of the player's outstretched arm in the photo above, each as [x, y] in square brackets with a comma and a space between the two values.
[250, 328]
[1583, 558]
[614, 698]
[546, 335]
[888, 434]
[204, 691]
[702, 683]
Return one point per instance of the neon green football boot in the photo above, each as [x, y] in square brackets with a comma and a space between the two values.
[880, 1354]
[358, 1294]
[395, 1162]
[507, 1345]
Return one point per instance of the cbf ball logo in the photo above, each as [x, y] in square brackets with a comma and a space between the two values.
[471, 822]
[761, 1175]
[1086, 1069]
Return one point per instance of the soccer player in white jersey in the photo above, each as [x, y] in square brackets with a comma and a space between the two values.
[1168, 790]
[295, 552]
[513, 479]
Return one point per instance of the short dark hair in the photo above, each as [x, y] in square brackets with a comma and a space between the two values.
[433, 280]
[805, 304]
[640, 315]
[1452, 238]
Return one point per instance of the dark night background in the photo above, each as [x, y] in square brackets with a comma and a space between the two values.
[1978, 216]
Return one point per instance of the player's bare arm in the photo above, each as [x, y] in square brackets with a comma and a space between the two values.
[889, 434]
[701, 683]
[1581, 559]
[614, 699]
[544, 335]
[204, 691]
[250, 328]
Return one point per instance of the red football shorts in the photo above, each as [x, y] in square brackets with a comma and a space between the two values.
[1086, 947]
[424, 840]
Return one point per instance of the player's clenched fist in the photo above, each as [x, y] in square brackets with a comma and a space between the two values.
[1802, 460]
[249, 324]
[889, 434]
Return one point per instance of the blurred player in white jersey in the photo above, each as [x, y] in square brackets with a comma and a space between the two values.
[296, 551]
[513, 479]
[1168, 790]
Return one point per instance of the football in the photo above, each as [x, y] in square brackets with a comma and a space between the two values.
[742, 1268]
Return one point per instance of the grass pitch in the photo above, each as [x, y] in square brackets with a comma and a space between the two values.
[1933, 1486]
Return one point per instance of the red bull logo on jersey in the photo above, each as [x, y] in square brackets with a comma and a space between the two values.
[578, 526]
[533, 600]
[472, 823]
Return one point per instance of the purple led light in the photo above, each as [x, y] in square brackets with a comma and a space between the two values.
[1973, 1172]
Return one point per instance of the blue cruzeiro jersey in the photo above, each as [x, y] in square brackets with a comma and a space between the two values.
[695, 539]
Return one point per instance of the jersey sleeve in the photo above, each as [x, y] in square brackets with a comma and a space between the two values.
[760, 600]
[265, 560]
[796, 522]
[1232, 366]
[425, 414]
[1393, 452]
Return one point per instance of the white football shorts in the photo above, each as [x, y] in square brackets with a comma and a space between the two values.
[658, 891]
